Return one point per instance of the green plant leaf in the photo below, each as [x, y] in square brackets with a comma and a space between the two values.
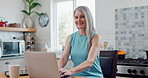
[29, 1]
[39, 14]
[25, 12]
[33, 5]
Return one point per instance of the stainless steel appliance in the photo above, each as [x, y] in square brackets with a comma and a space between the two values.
[12, 47]
[132, 67]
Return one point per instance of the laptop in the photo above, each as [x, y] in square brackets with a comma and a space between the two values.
[41, 64]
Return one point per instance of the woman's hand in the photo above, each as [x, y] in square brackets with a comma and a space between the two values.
[62, 72]
[68, 73]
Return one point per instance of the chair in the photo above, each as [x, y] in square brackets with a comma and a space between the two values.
[108, 62]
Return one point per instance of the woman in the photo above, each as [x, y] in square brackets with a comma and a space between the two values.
[83, 47]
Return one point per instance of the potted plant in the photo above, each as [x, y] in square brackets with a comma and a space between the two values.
[28, 22]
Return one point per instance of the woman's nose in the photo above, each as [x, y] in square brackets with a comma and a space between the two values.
[78, 19]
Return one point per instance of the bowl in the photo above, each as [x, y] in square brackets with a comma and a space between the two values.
[121, 54]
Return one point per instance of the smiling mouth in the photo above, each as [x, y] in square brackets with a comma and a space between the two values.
[80, 23]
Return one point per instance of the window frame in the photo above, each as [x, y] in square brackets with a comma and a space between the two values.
[53, 23]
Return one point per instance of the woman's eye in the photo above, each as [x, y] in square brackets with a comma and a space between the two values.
[83, 16]
[76, 17]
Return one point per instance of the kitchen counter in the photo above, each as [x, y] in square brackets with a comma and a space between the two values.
[11, 57]
[2, 75]
[58, 55]
[22, 56]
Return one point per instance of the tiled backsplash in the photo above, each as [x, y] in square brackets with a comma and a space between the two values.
[131, 35]
[10, 35]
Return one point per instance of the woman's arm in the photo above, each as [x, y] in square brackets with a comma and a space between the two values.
[91, 57]
[65, 55]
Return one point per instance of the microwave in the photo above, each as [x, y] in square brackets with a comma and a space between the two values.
[12, 47]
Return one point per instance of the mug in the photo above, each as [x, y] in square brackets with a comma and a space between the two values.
[14, 71]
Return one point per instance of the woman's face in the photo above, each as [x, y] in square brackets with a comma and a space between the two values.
[80, 20]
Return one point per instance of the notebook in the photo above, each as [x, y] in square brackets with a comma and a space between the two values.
[41, 65]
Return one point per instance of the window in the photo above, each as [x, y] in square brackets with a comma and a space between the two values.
[62, 23]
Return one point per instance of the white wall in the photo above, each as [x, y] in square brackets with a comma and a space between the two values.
[105, 14]
[43, 33]
[10, 10]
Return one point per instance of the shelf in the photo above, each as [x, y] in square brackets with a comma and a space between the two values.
[17, 29]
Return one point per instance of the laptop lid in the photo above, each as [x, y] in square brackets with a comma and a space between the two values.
[41, 65]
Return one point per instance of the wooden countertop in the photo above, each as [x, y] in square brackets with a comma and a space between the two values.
[2, 75]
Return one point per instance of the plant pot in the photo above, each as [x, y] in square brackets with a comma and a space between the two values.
[28, 22]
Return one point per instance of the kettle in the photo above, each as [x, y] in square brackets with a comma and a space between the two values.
[2, 22]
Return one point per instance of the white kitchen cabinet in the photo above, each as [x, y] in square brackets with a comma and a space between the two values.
[4, 63]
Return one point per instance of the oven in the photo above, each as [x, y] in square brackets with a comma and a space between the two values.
[137, 68]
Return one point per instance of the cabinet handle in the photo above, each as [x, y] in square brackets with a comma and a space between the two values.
[7, 62]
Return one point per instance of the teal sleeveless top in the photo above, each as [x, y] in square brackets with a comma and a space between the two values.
[79, 53]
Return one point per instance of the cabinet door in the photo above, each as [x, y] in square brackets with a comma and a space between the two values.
[4, 64]
[19, 61]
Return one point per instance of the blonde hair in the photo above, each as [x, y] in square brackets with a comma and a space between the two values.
[89, 23]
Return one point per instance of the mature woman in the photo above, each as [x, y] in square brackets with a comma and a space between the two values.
[83, 46]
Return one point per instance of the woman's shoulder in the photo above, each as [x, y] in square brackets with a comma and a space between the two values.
[74, 34]
[71, 35]
[96, 36]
